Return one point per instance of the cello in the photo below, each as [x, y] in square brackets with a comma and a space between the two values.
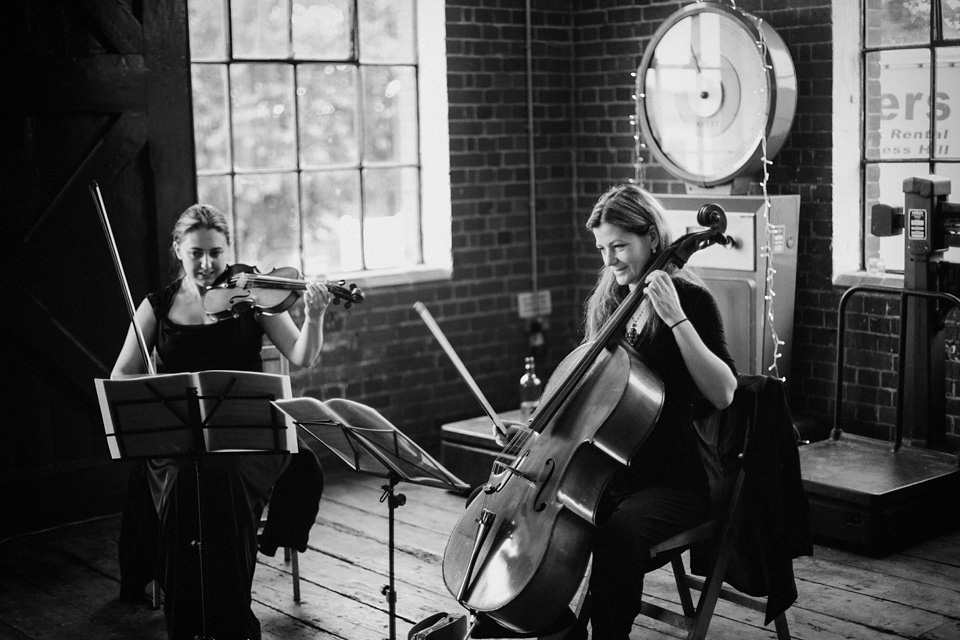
[521, 547]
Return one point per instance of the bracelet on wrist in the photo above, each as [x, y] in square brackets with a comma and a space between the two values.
[677, 323]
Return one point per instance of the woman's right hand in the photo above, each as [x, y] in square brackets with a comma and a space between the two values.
[512, 428]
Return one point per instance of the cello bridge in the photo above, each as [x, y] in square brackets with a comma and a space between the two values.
[500, 467]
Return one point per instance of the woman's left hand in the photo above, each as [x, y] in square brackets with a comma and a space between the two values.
[316, 300]
[663, 295]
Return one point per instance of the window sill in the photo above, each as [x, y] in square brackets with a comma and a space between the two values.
[893, 280]
[391, 278]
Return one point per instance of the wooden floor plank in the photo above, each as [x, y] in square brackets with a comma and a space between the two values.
[64, 583]
[910, 567]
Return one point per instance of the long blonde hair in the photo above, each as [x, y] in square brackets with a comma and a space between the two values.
[636, 211]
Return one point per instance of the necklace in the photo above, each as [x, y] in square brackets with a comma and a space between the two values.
[632, 333]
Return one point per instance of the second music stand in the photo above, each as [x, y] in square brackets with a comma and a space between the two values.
[370, 444]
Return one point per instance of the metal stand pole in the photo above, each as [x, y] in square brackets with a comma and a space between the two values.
[393, 501]
[198, 543]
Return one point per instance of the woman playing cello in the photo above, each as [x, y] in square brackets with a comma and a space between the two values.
[234, 488]
[678, 332]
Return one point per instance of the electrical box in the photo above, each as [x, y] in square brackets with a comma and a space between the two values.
[737, 273]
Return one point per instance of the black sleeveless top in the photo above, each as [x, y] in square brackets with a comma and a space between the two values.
[232, 343]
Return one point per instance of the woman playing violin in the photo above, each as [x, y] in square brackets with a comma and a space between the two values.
[201, 239]
[678, 332]
[235, 488]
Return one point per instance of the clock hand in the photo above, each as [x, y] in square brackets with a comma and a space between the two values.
[704, 93]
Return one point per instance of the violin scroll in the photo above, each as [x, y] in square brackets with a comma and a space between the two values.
[349, 295]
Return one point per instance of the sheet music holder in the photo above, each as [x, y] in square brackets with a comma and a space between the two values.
[168, 415]
[193, 415]
[368, 443]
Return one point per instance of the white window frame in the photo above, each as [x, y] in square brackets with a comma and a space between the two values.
[847, 205]
[847, 98]
[434, 149]
[435, 209]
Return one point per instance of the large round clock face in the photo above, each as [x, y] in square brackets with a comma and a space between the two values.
[707, 96]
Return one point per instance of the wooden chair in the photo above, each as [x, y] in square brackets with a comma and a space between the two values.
[291, 557]
[722, 440]
[723, 531]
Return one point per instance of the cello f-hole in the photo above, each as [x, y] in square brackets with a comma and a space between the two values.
[552, 464]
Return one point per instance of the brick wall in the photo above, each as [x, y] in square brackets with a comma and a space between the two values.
[381, 353]
[584, 54]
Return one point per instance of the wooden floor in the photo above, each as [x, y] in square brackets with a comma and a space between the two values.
[63, 584]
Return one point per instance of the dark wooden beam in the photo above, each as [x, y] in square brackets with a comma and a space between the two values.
[98, 84]
[107, 158]
[119, 26]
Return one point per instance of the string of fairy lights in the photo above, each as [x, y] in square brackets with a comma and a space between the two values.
[766, 250]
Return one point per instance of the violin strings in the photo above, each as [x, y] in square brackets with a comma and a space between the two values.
[271, 282]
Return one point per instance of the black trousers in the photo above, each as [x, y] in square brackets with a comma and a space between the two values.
[621, 555]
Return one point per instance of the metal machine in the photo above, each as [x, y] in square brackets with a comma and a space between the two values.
[863, 491]
[931, 226]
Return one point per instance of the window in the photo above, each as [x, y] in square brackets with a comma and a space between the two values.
[908, 72]
[309, 120]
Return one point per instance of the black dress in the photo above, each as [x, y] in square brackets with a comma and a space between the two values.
[233, 491]
[664, 490]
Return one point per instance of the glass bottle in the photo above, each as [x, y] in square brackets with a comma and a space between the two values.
[530, 390]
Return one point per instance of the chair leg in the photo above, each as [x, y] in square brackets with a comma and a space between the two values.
[295, 570]
[679, 576]
[783, 629]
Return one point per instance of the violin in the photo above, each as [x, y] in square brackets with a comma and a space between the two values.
[520, 549]
[241, 288]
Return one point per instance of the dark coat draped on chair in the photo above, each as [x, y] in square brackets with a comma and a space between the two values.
[777, 525]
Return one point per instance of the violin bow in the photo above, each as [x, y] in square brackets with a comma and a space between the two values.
[448, 348]
[127, 297]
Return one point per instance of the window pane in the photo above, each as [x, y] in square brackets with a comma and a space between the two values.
[327, 97]
[885, 186]
[391, 222]
[898, 104]
[895, 22]
[331, 222]
[950, 19]
[211, 128]
[260, 28]
[207, 20]
[216, 190]
[264, 135]
[387, 31]
[267, 233]
[950, 171]
[323, 29]
[390, 114]
[947, 106]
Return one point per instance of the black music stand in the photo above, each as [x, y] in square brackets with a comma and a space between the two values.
[193, 415]
[368, 443]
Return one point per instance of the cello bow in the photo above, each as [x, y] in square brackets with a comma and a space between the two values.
[461, 368]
